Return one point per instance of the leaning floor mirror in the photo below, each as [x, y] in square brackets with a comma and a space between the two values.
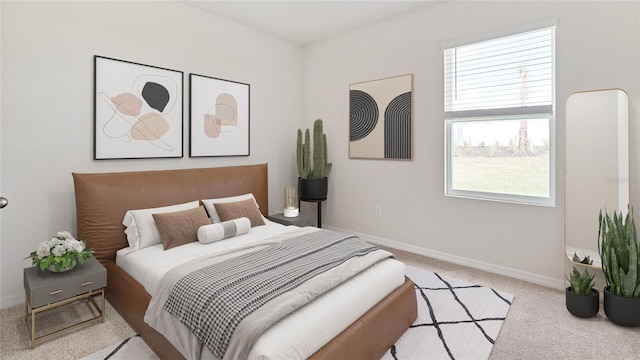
[597, 166]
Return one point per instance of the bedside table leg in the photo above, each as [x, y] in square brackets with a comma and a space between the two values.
[103, 308]
[33, 329]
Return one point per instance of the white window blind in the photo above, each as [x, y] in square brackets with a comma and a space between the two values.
[511, 75]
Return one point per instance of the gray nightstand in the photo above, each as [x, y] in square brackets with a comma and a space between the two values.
[300, 220]
[45, 290]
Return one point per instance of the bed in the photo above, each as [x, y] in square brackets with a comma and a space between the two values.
[102, 199]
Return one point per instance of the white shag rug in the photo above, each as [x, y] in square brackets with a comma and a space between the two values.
[131, 348]
[456, 320]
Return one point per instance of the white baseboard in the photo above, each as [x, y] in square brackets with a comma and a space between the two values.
[460, 260]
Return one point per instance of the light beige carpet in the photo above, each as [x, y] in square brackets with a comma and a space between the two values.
[15, 342]
[538, 325]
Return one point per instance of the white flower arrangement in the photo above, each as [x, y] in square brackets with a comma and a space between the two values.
[61, 252]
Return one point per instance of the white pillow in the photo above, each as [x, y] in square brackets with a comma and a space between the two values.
[226, 229]
[141, 229]
[211, 209]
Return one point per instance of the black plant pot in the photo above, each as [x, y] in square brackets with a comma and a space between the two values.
[584, 306]
[624, 311]
[312, 189]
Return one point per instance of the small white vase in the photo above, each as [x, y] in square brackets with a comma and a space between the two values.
[52, 268]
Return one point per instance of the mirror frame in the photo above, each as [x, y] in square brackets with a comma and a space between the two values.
[623, 161]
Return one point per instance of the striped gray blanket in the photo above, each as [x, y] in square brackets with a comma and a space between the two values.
[213, 300]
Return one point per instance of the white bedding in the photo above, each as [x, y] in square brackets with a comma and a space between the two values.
[148, 265]
[304, 332]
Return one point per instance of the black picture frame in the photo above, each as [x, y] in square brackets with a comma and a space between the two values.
[138, 110]
[219, 117]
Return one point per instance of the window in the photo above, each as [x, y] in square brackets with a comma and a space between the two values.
[499, 118]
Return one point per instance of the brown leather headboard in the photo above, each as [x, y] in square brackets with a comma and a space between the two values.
[102, 199]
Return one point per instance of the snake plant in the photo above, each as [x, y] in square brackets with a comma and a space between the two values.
[587, 260]
[620, 253]
[581, 284]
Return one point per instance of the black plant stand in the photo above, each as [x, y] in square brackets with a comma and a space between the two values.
[319, 202]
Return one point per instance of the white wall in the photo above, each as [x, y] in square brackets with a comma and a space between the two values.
[47, 103]
[597, 46]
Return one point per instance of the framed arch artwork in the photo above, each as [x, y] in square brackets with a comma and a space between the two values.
[380, 118]
[138, 110]
[219, 117]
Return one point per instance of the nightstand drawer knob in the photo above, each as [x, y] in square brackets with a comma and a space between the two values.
[86, 283]
[55, 292]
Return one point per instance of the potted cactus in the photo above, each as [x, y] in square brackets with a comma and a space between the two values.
[312, 176]
[620, 254]
[582, 299]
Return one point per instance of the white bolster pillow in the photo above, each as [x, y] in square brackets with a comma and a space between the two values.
[222, 230]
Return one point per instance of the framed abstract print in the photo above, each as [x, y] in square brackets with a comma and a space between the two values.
[218, 117]
[138, 110]
[380, 118]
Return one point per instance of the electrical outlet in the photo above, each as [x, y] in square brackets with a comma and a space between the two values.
[378, 210]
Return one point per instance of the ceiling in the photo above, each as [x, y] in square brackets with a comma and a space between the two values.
[305, 21]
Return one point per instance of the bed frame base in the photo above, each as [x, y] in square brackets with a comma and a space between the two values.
[373, 333]
[131, 300]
